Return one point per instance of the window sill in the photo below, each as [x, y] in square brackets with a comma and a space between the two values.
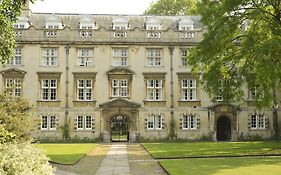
[156, 101]
[52, 101]
[48, 130]
[85, 66]
[84, 130]
[84, 101]
[162, 66]
[262, 129]
[191, 130]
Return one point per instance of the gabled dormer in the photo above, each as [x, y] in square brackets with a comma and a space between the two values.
[120, 24]
[153, 24]
[22, 23]
[53, 22]
[185, 24]
[87, 23]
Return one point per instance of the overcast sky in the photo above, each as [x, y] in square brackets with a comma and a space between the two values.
[92, 6]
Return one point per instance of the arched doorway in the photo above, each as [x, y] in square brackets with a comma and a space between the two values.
[223, 129]
[119, 129]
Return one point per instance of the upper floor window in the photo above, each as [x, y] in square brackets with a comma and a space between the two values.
[184, 54]
[49, 57]
[84, 89]
[219, 96]
[189, 122]
[154, 57]
[154, 90]
[17, 59]
[120, 57]
[49, 89]
[188, 90]
[49, 122]
[85, 57]
[14, 86]
[119, 88]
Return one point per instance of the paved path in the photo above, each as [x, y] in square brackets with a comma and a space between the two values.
[114, 159]
[116, 162]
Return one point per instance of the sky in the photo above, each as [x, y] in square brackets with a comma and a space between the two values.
[128, 7]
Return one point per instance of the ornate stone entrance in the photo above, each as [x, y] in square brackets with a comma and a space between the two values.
[223, 129]
[223, 122]
[119, 129]
[119, 120]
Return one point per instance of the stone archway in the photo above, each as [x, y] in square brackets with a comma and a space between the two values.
[223, 129]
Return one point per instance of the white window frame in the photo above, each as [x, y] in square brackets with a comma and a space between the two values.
[154, 89]
[154, 122]
[14, 85]
[188, 90]
[257, 121]
[49, 122]
[154, 57]
[119, 87]
[85, 57]
[184, 54]
[84, 122]
[120, 57]
[84, 89]
[49, 57]
[189, 122]
[49, 89]
[17, 59]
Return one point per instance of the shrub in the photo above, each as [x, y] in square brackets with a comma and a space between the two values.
[23, 159]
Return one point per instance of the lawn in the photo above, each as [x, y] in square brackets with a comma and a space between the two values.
[203, 149]
[224, 166]
[66, 153]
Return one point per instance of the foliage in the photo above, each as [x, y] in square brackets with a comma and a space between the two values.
[66, 132]
[240, 48]
[205, 149]
[9, 11]
[14, 115]
[5, 136]
[66, 153]
[23, 158]
[172, 7]
[223, 166]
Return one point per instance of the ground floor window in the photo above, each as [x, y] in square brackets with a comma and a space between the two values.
[154, 122]
[84, 122]
[257, 121]
[49, 122]
[189, 122]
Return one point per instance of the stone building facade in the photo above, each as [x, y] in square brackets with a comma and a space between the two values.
[121, 77]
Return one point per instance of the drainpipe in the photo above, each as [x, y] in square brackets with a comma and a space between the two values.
[66, 120]
[172, 123]
[275, 116]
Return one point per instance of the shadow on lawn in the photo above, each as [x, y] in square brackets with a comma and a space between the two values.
[88, 164]
[224, 166]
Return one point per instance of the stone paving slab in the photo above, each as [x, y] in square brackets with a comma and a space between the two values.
[116, 161]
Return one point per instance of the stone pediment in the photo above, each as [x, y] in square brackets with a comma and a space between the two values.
[13, 72]
[120, 71]
[119, 103]
[222, 107]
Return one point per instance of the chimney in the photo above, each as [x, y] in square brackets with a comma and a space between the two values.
[25, 11]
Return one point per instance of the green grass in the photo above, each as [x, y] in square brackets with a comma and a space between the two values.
[66, 153]
[224, 166]
[194, 149]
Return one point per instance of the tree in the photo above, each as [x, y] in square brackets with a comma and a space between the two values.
[14, 115]
[9, 11]
[241, 48]
[172, 7]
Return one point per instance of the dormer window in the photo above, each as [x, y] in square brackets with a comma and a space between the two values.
[120, 24]
[53, 23]
[22, 23]
[87, 23]
[186, 24]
